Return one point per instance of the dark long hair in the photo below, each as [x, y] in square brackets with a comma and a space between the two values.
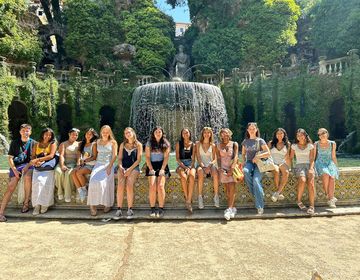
[83, 141]
[47, 129]
[181, 140]
[163, 143]
[285, 140]
[307, 137]
[247, 135]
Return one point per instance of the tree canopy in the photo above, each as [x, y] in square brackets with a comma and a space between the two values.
[18, 41]
[235, 33]
[335, 26]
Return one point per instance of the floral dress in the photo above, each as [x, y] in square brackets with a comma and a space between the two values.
[324, 163]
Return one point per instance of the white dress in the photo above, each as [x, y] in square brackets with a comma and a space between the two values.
[101, 185]
[43, 186]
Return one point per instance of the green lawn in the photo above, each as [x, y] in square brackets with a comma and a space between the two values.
[343, 162]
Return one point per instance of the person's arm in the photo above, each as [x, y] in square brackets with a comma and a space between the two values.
[61, 157]
[218, 158]
[333, 153]
[269, 144]
[291, 156]
[177, 155]
[312, 158]
[113, 157]
[243, 155]
[147, 158]
[166, 160]
[198, 157]
[265, 152]
[120, 158]
[193, 155]
[236, 157]
[214, 156]
[13, 167]
[79, 161]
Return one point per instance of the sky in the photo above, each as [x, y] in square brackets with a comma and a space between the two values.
[179, 14]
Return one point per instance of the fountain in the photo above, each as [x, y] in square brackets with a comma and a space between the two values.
[174, 105]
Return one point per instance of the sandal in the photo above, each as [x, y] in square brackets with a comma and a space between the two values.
[25, 208]
[311, 210]
[93, 211]
[2, 218]
[107, 209]
[301, 206]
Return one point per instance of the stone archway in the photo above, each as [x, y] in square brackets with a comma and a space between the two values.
[337, 127]
[63, 120]
[18, 114]
[107, 116]
[290, 120]
[248, 115]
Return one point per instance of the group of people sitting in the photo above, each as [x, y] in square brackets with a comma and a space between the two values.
[42, 166]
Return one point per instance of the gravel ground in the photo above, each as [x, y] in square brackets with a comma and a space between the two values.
[253, 249]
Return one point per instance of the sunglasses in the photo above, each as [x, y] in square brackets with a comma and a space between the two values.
[322, 133]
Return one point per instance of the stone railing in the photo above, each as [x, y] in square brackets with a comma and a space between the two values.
[347, 191]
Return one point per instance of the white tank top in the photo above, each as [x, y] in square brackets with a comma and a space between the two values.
[302, 156]
[278, 156]
[206, 157]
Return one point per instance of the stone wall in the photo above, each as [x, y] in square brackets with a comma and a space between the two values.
[347, 191]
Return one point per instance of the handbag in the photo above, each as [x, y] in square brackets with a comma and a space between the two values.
[237, 174]
[49, 164]
[264, 164]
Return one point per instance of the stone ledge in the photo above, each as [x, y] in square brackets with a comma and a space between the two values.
[347, 191]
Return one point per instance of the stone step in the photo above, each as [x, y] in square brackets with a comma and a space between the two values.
[181, 215]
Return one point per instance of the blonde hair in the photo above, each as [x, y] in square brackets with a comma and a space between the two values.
[136, 142]
[206, 128]
[227, 130]
[111, 134]
[321, 130]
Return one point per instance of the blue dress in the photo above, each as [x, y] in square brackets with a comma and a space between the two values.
[324, 163]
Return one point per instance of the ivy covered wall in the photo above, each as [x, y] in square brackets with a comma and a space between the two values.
[306, 101]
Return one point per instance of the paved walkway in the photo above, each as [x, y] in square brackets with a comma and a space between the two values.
[263, 249]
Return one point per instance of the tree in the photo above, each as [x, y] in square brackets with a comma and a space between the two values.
[151, 32]
[18, 41]
[93, 30]
[335, 26]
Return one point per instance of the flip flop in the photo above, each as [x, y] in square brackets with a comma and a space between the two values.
[2, 218]
[301, 206]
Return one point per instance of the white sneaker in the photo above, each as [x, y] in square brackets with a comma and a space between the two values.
[233, 212]
[334, 199]
[260, 211]
[275, 196]
[201, 202]
[227, 214]
[60, 196]
[130, 214]
[331, 203]
[281, 197]
[117, 215]
[216, 201]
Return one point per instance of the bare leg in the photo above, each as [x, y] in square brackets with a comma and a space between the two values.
[276, 174]
[284, 178]
[7, 196]
[161, 190]
[183, 181]
[301, 187]
[311, 189]
[27, 186]
[201, 174]
[231, 199]
[325, 182]
[215, 175]
[191, 185]
[331, 188]
[152, 190]
[120, 190]
[130, 187]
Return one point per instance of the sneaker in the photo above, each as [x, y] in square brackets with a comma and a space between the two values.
[281, 197]
[160, 213]
[331, 203]
[130, 214]
[117, 215]
[275, 196]
[201, 202]
[227, 214]
[36, 210]
[334, 199]
[189, 207]
[260, 211]
[233, 212]
[67, 200]
[216, 201]
[153, 213]
[43, 209]
[60, 196]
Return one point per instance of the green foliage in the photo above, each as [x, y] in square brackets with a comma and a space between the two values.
[151, 32]
[93, 30]
[8, 89]
[335, 27]
[17, 41]
[246, 32]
